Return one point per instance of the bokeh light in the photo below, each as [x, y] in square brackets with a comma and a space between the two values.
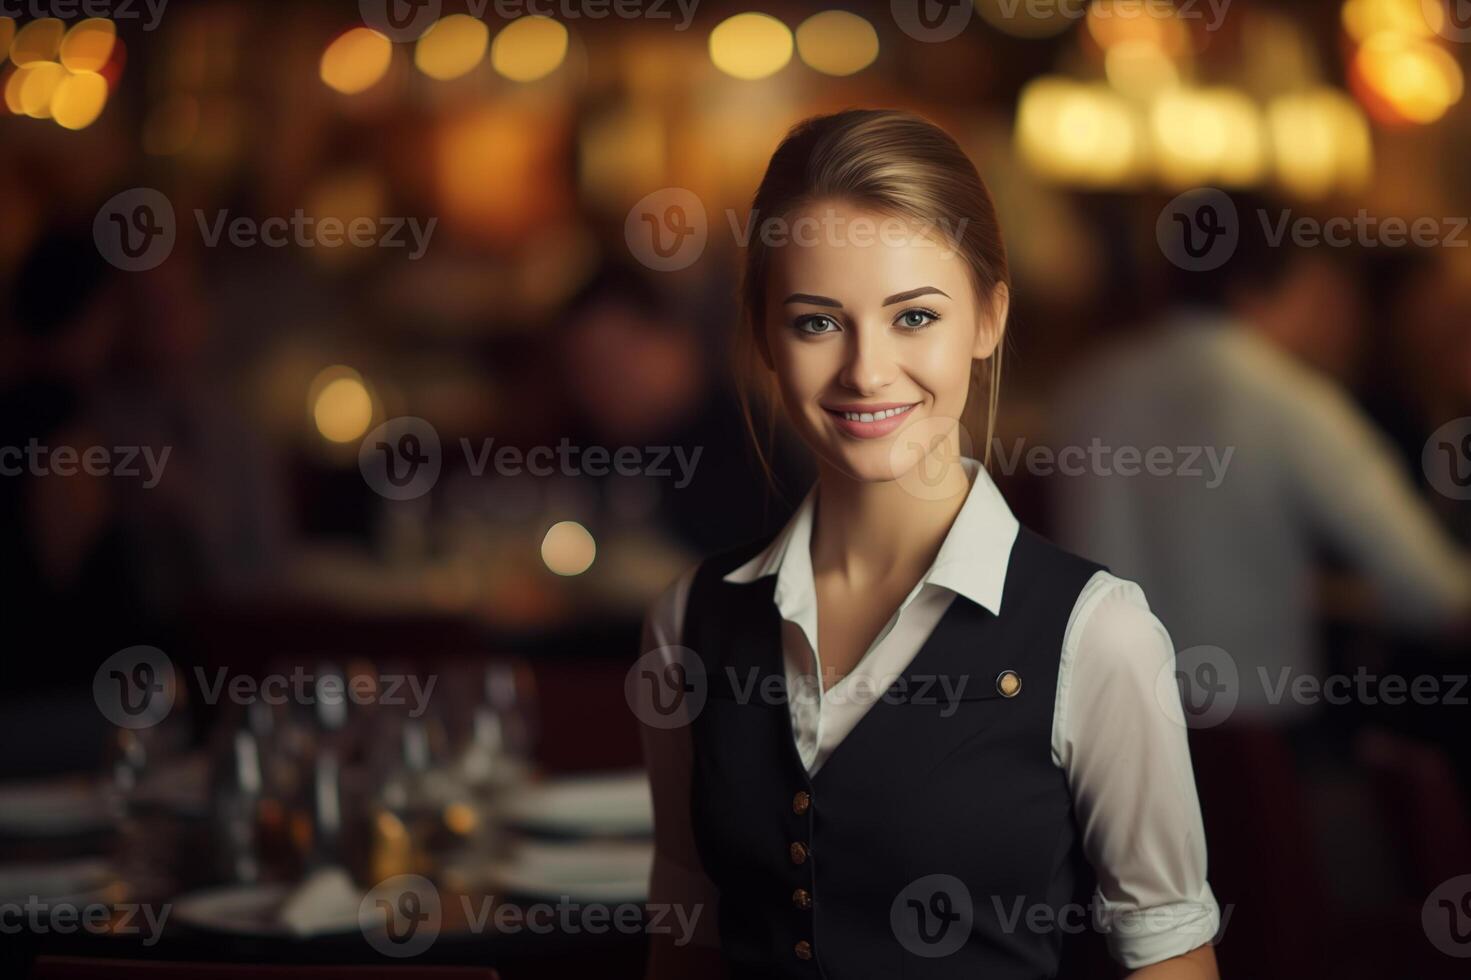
[1405, 79]
[356, 61]
[40, 40]
[750, 46]
[1207, 134]
[1078, 132]
[1320, 143]
[88, 45]
[1362, 19]
[42, 78]
[79, 100]
[529, 48]
[1027, 20]
[568, 548]
[341, 405]
[836, 42]
[452, 47]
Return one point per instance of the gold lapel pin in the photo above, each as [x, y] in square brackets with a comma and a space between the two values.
[1008, 683]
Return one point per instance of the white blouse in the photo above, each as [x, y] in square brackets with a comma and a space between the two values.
[1118, 729]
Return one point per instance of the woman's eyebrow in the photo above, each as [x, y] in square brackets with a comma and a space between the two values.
[814, 300]
[910, 294]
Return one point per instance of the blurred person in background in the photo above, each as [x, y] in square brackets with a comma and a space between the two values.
[639, 374]
[217, 520]
[1264, 471]
[1271, 465]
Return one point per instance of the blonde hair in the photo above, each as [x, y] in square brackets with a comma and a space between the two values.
[895, 163]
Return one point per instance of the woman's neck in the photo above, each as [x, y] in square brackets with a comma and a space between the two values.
[871, 532]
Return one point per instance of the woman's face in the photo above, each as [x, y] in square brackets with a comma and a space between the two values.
[872, 325]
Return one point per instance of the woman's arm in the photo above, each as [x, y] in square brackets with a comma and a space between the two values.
[677, 878]
[1198, 964]
[1120, 736]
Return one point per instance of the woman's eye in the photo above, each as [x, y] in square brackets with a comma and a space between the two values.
[916, 319]
[816, 324]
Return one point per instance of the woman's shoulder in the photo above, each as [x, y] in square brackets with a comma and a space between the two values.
[1037, 558]
[1109, 612]
[664, 618]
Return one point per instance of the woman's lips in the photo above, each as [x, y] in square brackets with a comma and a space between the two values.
[846, 418]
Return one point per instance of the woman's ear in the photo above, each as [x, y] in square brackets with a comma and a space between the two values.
[993, 322]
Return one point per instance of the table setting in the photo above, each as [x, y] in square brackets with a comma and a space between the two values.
[275, 833]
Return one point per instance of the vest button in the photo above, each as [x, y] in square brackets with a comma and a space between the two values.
[803, 949]
[802, 899]
[1008, 683]
[798, 851]
[801, 802]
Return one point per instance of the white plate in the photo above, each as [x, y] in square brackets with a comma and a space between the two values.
[326, 904]
[53, 808]
[80, 882]
[239, 910]
[582, 872]
[616, 805]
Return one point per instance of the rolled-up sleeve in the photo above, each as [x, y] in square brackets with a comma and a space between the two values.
[678, 880]
[1119, 734]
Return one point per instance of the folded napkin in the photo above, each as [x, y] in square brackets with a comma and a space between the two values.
[326, 901]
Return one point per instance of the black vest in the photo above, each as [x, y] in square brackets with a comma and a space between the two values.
[938, 838]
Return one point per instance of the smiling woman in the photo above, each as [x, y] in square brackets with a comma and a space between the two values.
[943, 678]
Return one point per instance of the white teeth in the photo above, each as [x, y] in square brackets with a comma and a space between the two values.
[874, 416]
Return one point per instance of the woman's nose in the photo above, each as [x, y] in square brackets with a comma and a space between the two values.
[870, 362]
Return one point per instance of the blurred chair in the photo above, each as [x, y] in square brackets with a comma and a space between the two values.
[1275, 910]
[1422, 802]
[88, 968]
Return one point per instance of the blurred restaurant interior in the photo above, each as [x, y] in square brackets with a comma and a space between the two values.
[496, 155]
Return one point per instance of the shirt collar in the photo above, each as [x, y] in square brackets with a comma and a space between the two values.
[972, 560]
